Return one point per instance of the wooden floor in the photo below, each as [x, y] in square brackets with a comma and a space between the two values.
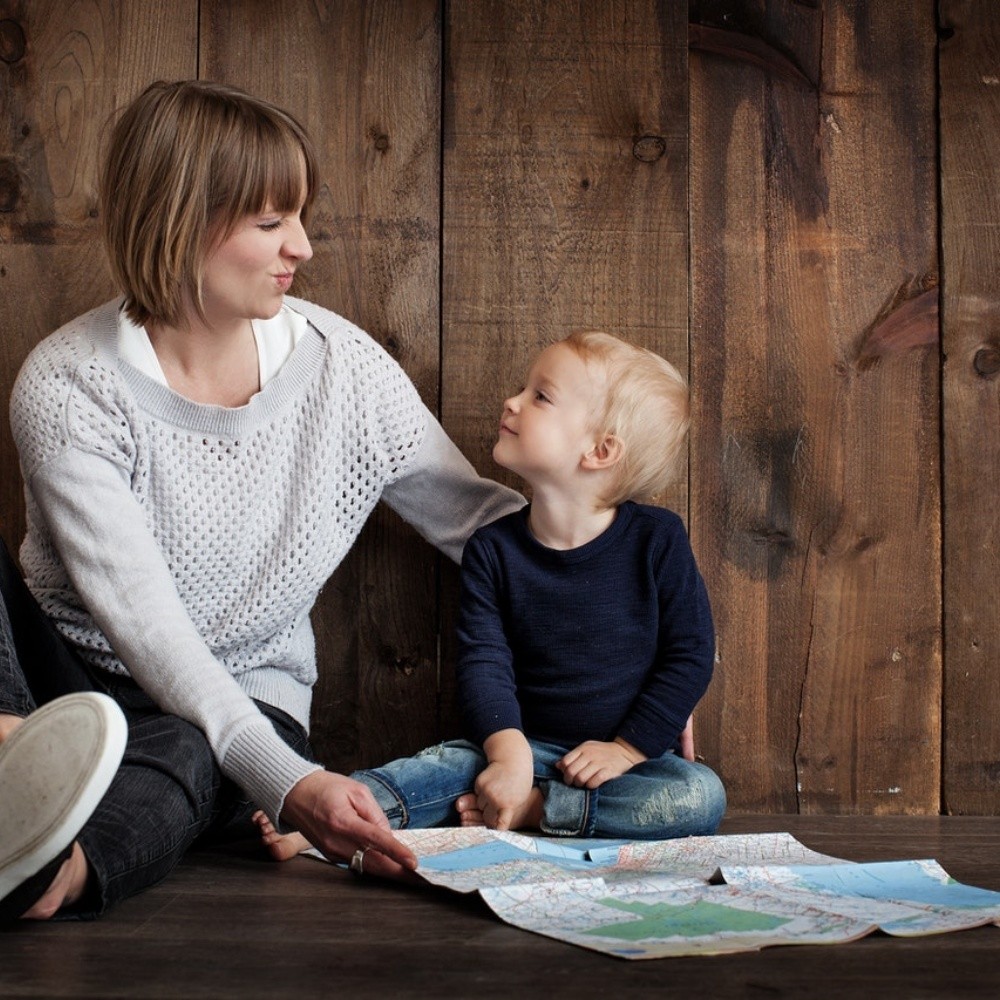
[230, 923]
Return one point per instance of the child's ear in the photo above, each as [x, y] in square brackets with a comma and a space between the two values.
[605, 454]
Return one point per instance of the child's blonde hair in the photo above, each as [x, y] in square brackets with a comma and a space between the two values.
[185, 163]
[646, 408]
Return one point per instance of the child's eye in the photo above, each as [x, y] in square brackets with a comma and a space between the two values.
[540, 396]
[269, 227]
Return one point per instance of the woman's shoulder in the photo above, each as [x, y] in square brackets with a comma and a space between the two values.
[67, 388]
[330, 325]
[86, 340]
[342, 334]
[355, 356]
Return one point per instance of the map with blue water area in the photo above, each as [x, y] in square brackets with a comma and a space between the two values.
[694, 896]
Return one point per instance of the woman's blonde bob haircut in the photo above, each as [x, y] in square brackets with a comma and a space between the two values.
[185, 163]
[647, 411]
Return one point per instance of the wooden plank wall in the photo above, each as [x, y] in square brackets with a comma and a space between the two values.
[970, 202]
[815, 504]
[749, 187]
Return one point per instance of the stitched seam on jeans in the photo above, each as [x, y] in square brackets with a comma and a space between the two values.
[393, 791]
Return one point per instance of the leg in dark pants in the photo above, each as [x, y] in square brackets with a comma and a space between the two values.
[36, 664]
[167, 792]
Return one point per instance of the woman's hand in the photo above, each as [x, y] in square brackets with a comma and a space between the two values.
[339, 816]
[594, 762]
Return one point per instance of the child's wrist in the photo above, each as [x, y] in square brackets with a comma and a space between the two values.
[632, 753]
[507, 746]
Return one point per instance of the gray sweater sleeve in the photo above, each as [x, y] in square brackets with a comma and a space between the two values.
[112, 557]
[443, 497]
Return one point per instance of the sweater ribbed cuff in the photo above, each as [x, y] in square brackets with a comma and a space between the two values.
[265, 767]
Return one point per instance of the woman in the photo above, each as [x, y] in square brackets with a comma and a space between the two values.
[198, 457]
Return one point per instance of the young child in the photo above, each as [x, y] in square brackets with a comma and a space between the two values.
[585, 634]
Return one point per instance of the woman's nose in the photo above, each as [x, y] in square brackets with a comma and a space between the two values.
[297, 245]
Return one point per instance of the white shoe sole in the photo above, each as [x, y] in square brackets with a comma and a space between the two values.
[54, 770]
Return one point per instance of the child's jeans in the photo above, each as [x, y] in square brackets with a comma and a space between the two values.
[656, 800]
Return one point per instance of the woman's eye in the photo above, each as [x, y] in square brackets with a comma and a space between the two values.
[269, 227]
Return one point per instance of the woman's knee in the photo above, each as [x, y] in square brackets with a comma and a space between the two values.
[168, 753]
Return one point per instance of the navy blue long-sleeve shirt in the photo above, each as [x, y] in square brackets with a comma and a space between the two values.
[614, 638]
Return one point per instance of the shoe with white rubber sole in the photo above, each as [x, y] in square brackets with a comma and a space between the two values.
[54, 770]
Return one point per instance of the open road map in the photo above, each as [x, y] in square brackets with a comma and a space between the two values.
[694, 896]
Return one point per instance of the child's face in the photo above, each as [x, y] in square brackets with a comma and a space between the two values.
[551, 423]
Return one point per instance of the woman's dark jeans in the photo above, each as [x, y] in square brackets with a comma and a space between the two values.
[168, 792]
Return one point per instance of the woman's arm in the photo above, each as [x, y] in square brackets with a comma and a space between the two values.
[116, 567]
[443, 496]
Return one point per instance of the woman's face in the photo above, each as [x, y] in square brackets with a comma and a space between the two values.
[247, 274]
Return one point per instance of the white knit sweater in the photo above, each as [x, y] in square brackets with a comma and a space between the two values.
[185, 543]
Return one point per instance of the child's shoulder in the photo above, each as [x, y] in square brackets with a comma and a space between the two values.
[504, 527]
[654, 518]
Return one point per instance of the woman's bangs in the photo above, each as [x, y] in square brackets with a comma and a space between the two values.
[272, 170]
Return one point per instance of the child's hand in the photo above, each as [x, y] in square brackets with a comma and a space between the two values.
[594, 762]
[687, 740]
[504, 786]
[502, 790]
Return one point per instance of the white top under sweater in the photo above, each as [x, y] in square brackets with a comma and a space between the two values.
[185, 544]
[274, 338]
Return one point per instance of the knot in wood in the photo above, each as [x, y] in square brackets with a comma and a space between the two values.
[12, 41]
[649, 148]
[987, 361]
[381, 142]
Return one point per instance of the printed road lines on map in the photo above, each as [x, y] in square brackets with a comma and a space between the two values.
[905, 898]
[656, 899]
[708, 920]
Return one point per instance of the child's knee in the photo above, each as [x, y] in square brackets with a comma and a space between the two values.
[692, 807]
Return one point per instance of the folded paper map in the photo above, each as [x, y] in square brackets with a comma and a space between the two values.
[694, 896]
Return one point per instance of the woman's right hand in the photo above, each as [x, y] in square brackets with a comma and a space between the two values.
[339, 816]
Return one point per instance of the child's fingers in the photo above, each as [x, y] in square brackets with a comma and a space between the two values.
[574, 767]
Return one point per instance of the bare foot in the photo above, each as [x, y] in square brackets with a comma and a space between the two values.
[281, 846]
[469, 813]
[67, 887]
[8, 723]
[527, 817]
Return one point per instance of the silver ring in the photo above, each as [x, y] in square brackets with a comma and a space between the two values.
[357, 864]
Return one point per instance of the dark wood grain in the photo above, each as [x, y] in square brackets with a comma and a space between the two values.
[970, 204]
[815, 471]
[234, 925]
[565, 196]
[64, 71]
